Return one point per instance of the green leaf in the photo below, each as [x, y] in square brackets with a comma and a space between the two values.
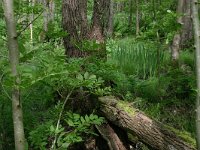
[86, 75]
[80, 77]
[70, 123]
[92, 77]
[87, 118]
[82, 120]
[52, 129]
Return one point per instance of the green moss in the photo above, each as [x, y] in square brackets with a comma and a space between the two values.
[127, 107]
[183, 135]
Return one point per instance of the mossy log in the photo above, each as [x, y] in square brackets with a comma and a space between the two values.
[150, 132]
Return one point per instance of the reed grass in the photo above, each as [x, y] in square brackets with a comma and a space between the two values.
[137, 57]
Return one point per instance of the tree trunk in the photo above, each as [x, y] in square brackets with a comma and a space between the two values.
[75, 23]
[49, 8]
[197, 46]
[111, 19]
[14, 62]
[31, 3]
[74, 13]
[99, 20]
[147, 130]
[177, 37]
[137, 18]
[185, 33]
[130, 19]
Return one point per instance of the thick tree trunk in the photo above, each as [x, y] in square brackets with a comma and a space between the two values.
[197, 46]
[147, 130]
[75, 23]
[99, 20]
[14, 62]
[74, 13]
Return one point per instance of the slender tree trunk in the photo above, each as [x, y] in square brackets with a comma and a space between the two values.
[177, 37]
[31, 3]
[197, 46]
[111, 19]
[185, 33]
[137, 18]
[14, 62]
[130, 19]
[49, 8]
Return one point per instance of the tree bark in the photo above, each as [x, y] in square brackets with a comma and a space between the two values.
[111, 137]
[14, 62]
[148, 131]
[75, 23]
[137, 18]
[111, 19]
[99, 20]
[74, 13]
[197, 46]
[48, 17]
[177, 37]
[185, 33]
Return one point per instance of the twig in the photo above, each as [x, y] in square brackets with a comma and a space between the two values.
[59, 118]
[19, 33]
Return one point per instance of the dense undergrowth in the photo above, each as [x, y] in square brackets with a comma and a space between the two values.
[167, 94]
[137, 70]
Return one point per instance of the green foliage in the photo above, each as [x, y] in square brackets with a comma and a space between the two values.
[137, 69]
[39, 137]
[77, 126]
[138, 58]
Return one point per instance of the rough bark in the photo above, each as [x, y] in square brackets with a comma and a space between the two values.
[14, 62]
[148, 131]
[197, 46]
[75, 23]
[99, 20]
[185, 33]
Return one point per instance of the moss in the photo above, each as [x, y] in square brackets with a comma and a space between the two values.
[183, 135]
[127, 108]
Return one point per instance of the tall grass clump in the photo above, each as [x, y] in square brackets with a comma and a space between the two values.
[136, 57]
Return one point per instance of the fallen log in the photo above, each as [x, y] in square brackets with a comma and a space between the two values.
[150, 132]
